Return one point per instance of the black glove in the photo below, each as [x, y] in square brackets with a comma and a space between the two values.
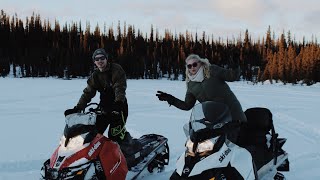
[165, 97]
[71, 111]
[117, 111]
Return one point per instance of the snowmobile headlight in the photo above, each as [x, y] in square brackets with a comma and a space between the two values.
[202, 147]
[205, 146]
[74, 143]
[189, 145]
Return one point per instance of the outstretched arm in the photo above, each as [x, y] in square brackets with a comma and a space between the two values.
[189, 102]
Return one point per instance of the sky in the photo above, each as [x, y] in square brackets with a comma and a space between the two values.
[220, 18]
[32, 120]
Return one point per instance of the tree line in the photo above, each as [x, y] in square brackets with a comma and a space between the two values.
[35, 48]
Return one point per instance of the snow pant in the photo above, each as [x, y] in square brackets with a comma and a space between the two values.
[117, 122]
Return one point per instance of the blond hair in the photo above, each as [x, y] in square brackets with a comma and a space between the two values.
[204, 62]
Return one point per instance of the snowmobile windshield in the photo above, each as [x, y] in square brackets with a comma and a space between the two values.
[81, 119]
[206, 117]
[79, 123]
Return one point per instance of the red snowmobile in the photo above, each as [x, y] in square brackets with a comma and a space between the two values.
[85, 154]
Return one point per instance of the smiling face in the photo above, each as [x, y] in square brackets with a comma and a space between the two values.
[100, 61]
[193, 66]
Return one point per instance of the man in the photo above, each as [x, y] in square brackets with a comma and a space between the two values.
[109, 79]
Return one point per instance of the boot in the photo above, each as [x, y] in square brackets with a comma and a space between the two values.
[129, 146]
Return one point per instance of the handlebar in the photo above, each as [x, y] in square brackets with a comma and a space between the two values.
[96, 110]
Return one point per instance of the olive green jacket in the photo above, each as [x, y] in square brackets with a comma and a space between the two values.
[113, 77]
[214, 89]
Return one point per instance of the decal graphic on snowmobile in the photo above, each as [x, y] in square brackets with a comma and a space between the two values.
[213, 152]
[84, 154]
[224, 154]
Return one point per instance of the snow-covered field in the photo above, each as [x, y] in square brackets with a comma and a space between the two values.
[31, 120]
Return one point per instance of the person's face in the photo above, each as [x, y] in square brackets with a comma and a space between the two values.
[193, 66]
[100, 61]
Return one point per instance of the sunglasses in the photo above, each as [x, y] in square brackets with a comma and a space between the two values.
[195, 64]
[100, 58]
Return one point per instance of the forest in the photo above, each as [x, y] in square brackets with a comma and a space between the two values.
[35, 47]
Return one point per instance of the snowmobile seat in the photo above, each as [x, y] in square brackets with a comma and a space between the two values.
[259, 123]
[259, 119]
[252, 135]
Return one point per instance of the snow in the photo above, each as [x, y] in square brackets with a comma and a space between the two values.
[32, 120]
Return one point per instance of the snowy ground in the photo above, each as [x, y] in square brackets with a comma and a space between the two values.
[31, 117]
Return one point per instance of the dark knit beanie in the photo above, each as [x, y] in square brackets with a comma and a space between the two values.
[99, 51]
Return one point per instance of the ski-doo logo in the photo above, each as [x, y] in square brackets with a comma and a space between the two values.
[94, 148]
[224, 155]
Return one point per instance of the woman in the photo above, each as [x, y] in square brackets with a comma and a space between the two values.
[206, 82]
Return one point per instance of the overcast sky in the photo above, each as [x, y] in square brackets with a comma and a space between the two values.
[224, 18]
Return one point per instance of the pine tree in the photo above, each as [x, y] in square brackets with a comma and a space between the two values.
[282, 59]
[291, 71]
